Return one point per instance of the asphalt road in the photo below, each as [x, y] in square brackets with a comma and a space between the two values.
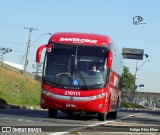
[128, 122]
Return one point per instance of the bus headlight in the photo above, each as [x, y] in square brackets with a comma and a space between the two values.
[46, 92]
[100, 106]
[97, 96]
[42, 101]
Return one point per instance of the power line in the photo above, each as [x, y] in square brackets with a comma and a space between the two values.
[28, 46]
[149, 80]
[150, 72]
[9, 42]
[16, 23]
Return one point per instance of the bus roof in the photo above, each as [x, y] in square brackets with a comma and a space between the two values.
[80, 38]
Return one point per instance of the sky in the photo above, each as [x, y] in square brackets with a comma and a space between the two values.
[107, 17]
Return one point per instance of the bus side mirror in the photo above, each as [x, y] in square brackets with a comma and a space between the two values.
[109, 59]
[39, 53]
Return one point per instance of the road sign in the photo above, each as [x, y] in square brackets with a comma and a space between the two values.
[132, 53]
[141, 85]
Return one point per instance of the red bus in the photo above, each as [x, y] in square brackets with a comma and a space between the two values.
[82, 73]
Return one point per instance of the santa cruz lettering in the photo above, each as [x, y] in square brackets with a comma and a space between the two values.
[79, 40]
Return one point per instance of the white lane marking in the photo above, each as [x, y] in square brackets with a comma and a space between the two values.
[105, 122]
[133, 115]
[59, 133]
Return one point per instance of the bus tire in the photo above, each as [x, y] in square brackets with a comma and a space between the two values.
[108, 116]
[113, 115]
[52, 113]
[117, 106]
[71, 114]
[101, 116]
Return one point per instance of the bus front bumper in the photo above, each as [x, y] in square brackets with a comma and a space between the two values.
[97, 103]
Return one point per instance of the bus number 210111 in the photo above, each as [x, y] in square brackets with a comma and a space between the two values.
[72, 93]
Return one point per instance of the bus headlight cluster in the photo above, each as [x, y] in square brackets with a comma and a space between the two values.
[46, 92]
[97, 96]
[100, 106]
[42, 101]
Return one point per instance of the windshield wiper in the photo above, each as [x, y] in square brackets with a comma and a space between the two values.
[81, 76]
[77, 70]
[61, 76]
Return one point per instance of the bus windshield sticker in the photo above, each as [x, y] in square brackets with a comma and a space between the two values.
[76, 82]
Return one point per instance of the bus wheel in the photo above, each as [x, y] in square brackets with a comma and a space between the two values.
[113, 115]
[101, 116]
[117, 106]
[71, 114]
[52, 113]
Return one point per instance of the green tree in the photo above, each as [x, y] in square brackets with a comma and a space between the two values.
[128, 83]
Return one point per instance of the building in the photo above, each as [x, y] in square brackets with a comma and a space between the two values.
[148, 99]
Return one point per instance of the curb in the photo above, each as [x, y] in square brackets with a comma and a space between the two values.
[6, 106]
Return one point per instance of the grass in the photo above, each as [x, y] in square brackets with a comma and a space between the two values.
[131, 105]
[17, 89]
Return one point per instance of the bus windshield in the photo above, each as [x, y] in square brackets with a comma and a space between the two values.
[75, 66]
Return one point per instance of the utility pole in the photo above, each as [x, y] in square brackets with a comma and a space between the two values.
[137, 68]
[28, 45]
